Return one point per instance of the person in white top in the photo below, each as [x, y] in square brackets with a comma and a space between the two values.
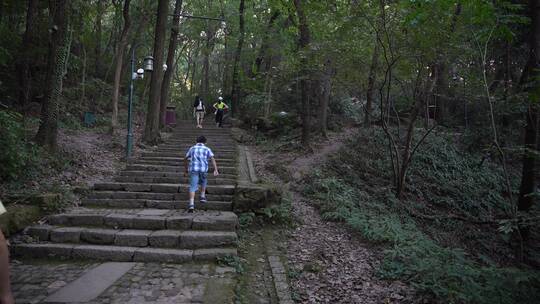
[198, 111]
[6, 297]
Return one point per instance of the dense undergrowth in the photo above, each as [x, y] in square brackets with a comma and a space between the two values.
[433, 237]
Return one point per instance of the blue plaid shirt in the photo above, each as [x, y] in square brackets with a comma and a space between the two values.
[199, 156]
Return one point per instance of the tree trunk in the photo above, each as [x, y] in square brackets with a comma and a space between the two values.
[119, 55]
[151, 130]
[303, 43]
[235, 92]
[24, 72]
[59, 49]
[406, 155]
[265, 44]
[83, 77]
[530, 81]
[370, 93]
[171, 66]
[98, 72]
[326, 84]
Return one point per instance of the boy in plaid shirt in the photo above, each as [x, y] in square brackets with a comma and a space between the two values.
[198, 157]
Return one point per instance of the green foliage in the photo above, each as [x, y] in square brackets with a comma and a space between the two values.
[232, 261]
[350, 190]
[281, 213]
[17, 153]
[246, 219]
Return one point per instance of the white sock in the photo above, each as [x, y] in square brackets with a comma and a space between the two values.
[192, 202]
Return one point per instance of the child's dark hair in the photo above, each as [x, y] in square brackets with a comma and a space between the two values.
[201, 139]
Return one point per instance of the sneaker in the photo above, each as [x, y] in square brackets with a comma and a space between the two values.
[191, 208]
[203, 200]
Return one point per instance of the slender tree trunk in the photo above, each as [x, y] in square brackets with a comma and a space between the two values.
[303, 43]
[235, 93]
[442, 102]
[530, 81]
[226, 78]
[151, 131]
[24, 72]
[98, 66]
[406, 154]
[83, 77]
[119, 55]
[205, 81]
[171, 67]
[370, 93]
[265, 44]
[59, 49]
[325, 97]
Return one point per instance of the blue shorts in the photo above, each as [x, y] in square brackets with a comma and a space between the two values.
[196, 179]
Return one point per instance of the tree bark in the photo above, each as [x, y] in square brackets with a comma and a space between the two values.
[171, 66]
[235, 92]
[58, 50]
[406, 154]
[119, 57]
[24, 69]
[151, 130]
[442, 102]
[325, 97]
[98, 66]
[265, 44]
[370, 93]
[531, 83]
[303, 44]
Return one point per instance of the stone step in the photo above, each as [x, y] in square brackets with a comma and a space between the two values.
[182, 149]
[170, 180]
[226, 162]
[221, 176]
[176, 154]
[178, 168]
[179, 239]
[154, 196]
[160, 188]
[213, 143]
[120, 253]
[147, 219]
[156, 204]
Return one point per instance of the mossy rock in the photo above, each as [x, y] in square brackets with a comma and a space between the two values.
[18, 217]
[255, 197]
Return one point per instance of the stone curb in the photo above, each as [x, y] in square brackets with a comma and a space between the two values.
[279, 273]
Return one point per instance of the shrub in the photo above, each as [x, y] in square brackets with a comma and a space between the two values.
[17, 153]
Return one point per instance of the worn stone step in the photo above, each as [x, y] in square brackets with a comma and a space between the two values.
[160, 188]
[120, 253]
[227, 162]
[147, 219]
[157, 204]
[170, 180]
[175, 167]
[180, 239]
[227, 155]
[213, 143]
[221, 176]
[154, 196]
[179, 168]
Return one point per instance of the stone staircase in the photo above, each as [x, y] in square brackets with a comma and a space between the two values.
[142, 215]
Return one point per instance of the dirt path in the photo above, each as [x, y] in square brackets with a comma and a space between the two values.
[329, 263]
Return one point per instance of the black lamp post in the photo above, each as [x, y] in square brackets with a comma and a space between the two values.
[148, 66]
